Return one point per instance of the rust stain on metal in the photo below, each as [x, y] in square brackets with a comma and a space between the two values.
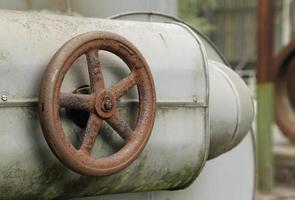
[285, 91]
[265, 67]
[101, 103]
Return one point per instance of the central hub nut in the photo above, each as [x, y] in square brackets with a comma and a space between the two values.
[107, 104]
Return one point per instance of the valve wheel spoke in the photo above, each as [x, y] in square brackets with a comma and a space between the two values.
[121, 88]
[77, 101]
[120, 126]
[91, 133]
[95, 70]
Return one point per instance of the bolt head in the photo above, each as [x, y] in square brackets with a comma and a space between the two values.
[195, 99]
[107, 104]
[3, 97]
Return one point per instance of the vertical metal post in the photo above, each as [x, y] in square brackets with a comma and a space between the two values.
[265, 95]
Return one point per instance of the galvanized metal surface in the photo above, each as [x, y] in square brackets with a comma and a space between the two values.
[223, 83]
[211, 50]
[221, 178]
[173, 157]
[210, 184]
[284, 91]
[239, 108]
[175, 154]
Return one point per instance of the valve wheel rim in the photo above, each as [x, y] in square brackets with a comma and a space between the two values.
[284, 91]
[101, 103]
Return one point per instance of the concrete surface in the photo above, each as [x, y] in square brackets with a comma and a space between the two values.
[282, 192]
[284, 161]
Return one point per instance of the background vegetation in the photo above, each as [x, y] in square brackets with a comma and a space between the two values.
[194, 12]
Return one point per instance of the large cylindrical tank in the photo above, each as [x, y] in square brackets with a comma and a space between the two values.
[223, 84]
[182, 137]
[210, 184]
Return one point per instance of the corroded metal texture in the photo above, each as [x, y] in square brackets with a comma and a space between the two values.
[265, 68]
[101, 103]
[285, 91]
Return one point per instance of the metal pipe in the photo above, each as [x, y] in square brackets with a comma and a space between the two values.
[265, 95]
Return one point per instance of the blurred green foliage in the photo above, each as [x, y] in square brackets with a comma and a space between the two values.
[194, 12]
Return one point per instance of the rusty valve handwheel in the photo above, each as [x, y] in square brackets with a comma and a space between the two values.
[285, 91]
[101, 103]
